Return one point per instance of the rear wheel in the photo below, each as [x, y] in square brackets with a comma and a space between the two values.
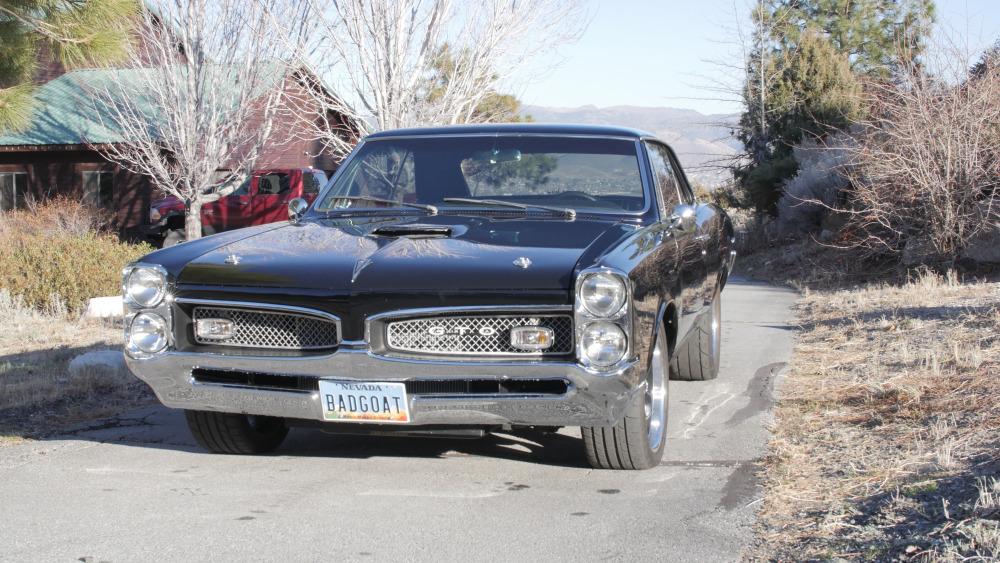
[227, 433]
[698, 358]
[637, 442]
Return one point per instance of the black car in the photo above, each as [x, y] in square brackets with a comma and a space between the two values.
[448, 280]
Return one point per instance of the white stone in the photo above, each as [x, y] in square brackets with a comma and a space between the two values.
[98, 360]
[104, 307]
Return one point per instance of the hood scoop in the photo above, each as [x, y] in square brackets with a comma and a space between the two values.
[415, 231]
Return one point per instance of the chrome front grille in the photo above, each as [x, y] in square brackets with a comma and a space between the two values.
[271, 329]
[475, 335]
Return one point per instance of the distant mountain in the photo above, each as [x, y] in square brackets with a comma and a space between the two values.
[702, 141]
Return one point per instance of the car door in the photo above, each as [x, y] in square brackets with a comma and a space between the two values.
[270, 202]
[230, 211]
[681, 216]
[706, 234]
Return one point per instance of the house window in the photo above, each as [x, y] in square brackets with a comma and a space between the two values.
[99, 188]
[13, 188]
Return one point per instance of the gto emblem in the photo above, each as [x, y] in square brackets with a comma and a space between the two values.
[523, 262]
[460, 331]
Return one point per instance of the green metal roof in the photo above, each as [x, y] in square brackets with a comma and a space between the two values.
[66, 112]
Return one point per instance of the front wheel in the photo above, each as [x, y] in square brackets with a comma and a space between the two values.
[228, 433]
[637, 442]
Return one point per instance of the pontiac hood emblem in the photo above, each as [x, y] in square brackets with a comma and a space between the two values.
[233, 259]
[522, 262]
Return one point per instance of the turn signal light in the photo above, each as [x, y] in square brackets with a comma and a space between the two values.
[214, 329]
[531, 338]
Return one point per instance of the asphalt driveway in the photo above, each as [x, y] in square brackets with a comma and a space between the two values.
[136, 488]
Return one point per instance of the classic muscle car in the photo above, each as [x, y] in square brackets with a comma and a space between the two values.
[456, 280]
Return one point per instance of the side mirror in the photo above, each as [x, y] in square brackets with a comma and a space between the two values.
[683, 216]
[296, 209]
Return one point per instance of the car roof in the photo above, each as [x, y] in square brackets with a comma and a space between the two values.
[517, 129]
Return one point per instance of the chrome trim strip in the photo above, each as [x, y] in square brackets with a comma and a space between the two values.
[255, 306]
[503, 134]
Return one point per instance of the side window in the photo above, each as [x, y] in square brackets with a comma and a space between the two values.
[313, 182]
[13, 189]
[663, 177]
[276, 183]
[685, 189]
[243, 190]
[99, 188]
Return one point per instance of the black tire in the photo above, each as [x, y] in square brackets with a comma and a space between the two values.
[227, 433]
[173, 238]
[630, 444]
[697, 359]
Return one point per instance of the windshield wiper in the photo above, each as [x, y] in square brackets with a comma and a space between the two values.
[428, 208]
[571, 213]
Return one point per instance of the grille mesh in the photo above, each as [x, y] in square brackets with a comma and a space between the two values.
[475, 335]
[266, 329]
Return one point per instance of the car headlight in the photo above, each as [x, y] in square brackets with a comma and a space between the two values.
[147, 333]
[145, 286]
[602, 294]
[603, 343]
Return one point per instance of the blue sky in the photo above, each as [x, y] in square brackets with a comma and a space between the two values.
[657, 53]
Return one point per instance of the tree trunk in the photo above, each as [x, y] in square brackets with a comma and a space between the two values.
[192, 220]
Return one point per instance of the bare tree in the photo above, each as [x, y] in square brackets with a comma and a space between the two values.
[197, 96]
[379, 56]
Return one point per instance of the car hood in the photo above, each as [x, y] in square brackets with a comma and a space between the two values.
[405, 253]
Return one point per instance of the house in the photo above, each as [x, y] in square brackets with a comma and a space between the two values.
[60, 152]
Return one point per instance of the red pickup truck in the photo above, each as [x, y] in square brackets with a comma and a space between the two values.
[262, 198]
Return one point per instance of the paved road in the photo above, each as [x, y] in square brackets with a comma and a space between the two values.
[136, 488]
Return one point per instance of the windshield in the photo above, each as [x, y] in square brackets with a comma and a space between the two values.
[598, 175]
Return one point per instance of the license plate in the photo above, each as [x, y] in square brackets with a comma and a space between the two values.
[350, 401]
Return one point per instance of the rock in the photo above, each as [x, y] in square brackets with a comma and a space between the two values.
[791, 256]
[98, 360]
[984, 249]
[917, 251]
[104, 308]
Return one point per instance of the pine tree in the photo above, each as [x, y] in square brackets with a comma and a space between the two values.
[78, 33]
[876, 35]
[813, 93]
[803, 75]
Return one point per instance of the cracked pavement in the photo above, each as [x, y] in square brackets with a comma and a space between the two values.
[137, 488]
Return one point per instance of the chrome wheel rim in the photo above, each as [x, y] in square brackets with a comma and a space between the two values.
[656, 398]
[716, 328]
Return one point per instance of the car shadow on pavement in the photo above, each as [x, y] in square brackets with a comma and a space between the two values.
[158, 427]
[554, 449]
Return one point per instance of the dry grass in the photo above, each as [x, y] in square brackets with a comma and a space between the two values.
[38, 395]
[886, 436]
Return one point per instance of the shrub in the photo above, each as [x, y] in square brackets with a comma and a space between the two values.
[808, 195]
[926, 180]
[53, 256]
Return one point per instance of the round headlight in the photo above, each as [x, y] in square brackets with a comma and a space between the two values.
[148, 333]
[603, 343]
[602, 294]
[145, 287]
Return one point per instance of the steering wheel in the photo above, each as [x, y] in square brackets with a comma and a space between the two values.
[579, 194]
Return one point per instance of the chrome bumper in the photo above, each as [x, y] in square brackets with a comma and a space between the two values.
[591, 399]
